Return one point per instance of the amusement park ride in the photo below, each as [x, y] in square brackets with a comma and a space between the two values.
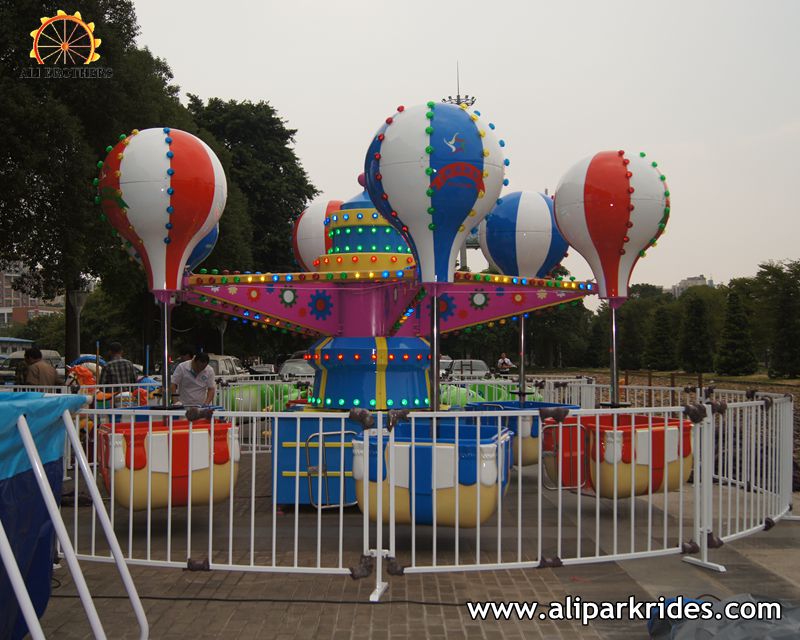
[379, 286]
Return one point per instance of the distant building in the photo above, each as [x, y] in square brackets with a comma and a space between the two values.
[693, 281]
[19, 307]
[10, 345]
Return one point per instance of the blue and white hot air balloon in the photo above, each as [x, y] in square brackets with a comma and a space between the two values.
[203, 249]
[520, 236]
[435, 171]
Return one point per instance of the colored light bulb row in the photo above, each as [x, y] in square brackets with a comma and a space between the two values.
[250, 317]
[305, 277]
[367, 355]
[347, 216]
[532, 282]
[356, 402]
[360, 248]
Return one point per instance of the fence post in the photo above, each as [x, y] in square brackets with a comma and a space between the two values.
[703, 494]
[672, 388]
[786, 422]
[380, 583]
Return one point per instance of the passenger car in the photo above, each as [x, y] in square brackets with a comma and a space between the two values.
[296, 368]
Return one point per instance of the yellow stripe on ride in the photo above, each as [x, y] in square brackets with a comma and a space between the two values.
[318, 357]
[380, 374]
[428, 376]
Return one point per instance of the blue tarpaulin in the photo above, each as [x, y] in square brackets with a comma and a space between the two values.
[22, 508]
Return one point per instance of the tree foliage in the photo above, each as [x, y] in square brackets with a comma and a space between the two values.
[265, 168]
[735, 352]
[660, 350]
[695, 348]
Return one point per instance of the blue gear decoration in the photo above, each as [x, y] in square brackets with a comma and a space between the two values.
[447, 306]
[320, 305]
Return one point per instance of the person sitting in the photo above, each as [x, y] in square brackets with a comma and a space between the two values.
[193, 382]
[39, 372]
[118, 370]
[504, 365]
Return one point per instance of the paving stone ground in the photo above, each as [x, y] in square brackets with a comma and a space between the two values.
[229, 604]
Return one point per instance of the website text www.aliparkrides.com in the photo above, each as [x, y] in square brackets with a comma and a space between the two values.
[574, 608]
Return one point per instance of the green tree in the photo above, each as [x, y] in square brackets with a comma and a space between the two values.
[597, 347]
[735, 353]
[777, 292]
[266, 169]
[54, 131]
[695, 348]
[632, 324]
[660, 351]
[47, 332]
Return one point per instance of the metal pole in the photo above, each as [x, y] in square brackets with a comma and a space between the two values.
[614, 372]
[522, 386]
[166, 318]
[434, 350]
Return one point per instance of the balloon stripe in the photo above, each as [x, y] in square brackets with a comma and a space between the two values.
[607, 204]
[193, 182]
[501, 232]
[558, 246]
[571, 217]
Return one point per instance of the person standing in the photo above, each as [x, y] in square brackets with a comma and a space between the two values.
[39, 372]
[193, 382]
[118, 370]
[504, 365]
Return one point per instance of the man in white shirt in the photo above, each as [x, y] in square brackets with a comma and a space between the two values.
[504, 364]
[193, 381]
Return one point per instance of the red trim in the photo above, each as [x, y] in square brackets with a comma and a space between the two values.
[333, 207]
[194, 185]
[607, 202]
[458, 170]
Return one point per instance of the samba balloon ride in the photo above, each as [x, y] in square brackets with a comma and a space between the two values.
[164, 191]
[611, 208]
[379, 286]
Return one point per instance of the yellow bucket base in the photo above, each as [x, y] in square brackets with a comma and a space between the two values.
[159, 487]
[445, 504]
[530, 451]
[641, 477]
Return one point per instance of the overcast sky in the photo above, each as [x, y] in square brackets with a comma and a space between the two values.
[709, 89]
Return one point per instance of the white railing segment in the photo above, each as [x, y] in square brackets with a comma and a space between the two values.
[454, 490]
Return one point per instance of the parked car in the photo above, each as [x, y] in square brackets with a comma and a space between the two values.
[296, 368]
[469, 369]
[226, 369]
[262, 369]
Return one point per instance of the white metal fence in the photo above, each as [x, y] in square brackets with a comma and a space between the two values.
[274, 491]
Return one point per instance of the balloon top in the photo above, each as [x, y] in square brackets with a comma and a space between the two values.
[163, 190]
[611, 208]
[434, 171]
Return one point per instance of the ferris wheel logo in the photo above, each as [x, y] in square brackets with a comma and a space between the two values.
[65, 39]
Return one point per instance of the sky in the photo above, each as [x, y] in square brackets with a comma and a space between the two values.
[707, 88]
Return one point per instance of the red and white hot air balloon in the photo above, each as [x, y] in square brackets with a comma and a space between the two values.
[611, 208]
[163, 190]
[310, 236]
